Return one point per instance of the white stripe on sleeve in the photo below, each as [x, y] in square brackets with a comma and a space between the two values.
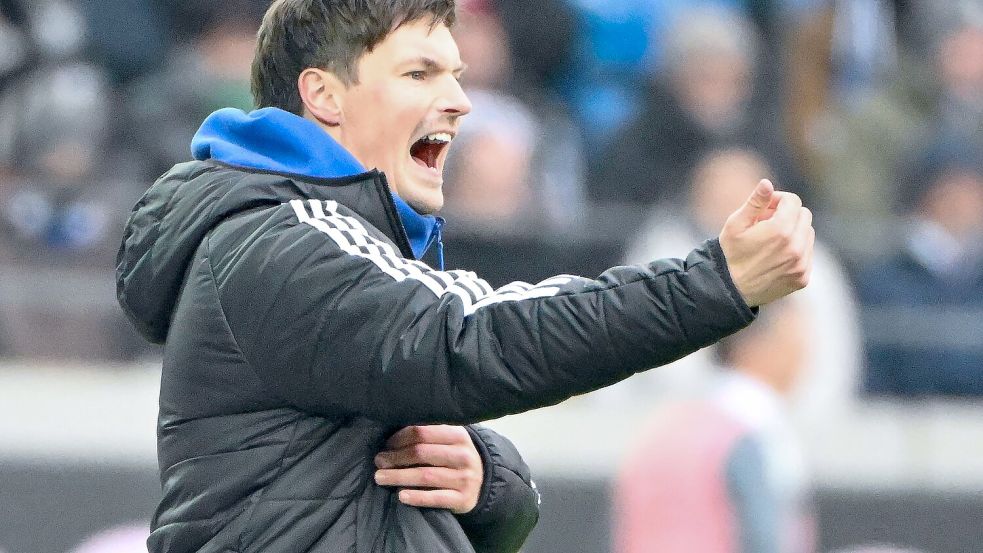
[352, 237]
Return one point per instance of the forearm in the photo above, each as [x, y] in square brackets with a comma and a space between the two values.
[520, 355]
[442, 347]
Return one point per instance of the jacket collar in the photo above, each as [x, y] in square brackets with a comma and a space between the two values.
[277, 141]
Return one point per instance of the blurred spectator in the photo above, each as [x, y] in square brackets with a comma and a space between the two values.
[130, 538]
[544, 32]
[60, 215]
[723, 473]
[498, 174]
[857, 146]
[620, 43]
[864, 47]
[190, 18]
[924, 305]
[704, 97]
[209, 73]
[68, 202]
[16, 53]
[513, 181]
[490, 180]
[58, 28]
[609, 60]
[15, 44]
[515, 160]
[722, 181]
[126, 37]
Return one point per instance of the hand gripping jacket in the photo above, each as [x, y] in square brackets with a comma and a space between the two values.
[300, 332]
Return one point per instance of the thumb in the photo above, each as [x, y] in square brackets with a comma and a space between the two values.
[756, 205]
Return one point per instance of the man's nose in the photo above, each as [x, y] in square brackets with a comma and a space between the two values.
[455, 102]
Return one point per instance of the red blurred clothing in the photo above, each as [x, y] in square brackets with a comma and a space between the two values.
[678, 471]
[718, 475]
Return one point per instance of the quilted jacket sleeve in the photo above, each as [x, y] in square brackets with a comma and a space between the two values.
[508, 507]
[339, 324]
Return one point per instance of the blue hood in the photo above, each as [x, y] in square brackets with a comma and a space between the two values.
[275, 140]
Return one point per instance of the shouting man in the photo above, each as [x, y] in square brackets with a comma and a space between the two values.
[315, 369]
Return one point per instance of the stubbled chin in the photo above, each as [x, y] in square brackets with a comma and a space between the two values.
[426, 202]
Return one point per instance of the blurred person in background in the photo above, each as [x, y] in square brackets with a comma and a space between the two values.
[67, 200]
[16, 56]
[723, 473]
[520, 158]
[128, 38]
[703, 95]
[835, 51]
[490, 173]
[722, 178]
[545, 32]
[515, 175]
[620, 43]
[207, 73]
[60, 213]
[924, 304]
[609, 60]
[857, 144]
[35, 37]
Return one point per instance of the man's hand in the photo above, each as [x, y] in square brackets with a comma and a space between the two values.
[435, 466]
[768, 244]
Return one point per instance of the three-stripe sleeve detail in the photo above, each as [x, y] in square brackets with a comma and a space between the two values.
[352, 237]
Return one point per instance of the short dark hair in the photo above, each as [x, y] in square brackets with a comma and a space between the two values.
[327, 34]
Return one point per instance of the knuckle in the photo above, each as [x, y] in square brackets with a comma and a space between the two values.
[418, 451]
[801, 272]
[475, 476]
[427, 476]
[782, 238]
[466, 457]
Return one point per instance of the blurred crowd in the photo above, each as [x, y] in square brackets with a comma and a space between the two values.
[603, 132]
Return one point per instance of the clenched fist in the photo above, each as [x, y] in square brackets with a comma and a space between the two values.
[768, 244]
[434, 466]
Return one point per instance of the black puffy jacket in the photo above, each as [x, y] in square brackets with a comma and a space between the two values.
[300, 332]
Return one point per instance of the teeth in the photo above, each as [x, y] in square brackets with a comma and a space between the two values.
[441, 137]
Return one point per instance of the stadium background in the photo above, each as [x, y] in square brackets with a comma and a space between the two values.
[590, 116]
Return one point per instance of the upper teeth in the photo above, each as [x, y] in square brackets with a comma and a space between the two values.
[439, 137]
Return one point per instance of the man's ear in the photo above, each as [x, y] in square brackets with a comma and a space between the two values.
[321, 93]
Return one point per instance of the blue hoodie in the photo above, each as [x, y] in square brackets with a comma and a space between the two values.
[275, 140]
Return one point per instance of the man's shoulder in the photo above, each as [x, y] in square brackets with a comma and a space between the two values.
[297, 232]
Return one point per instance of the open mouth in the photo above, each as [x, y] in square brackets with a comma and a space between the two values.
[427, 151]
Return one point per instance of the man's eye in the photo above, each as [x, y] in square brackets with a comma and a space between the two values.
[417, 75]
